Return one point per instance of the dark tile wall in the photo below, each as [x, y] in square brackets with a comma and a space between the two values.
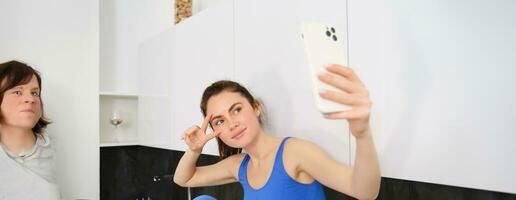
[128, 173]
[402, 189]
[396, 189]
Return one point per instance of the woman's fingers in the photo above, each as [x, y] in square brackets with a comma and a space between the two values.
[196, 136]
[350, 114]
[340, 115]
[205, 123]
[190, 130]
[344, 79]
[360, 104]
[190, 133]
[188, 140]
[340, 97]
[345, 72]
[353, 92]
[338, 81]
[212, 135]
[354, 99]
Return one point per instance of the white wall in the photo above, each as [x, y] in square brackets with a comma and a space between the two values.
[60, 39]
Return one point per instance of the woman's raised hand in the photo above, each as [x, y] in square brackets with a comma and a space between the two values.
[196, 137]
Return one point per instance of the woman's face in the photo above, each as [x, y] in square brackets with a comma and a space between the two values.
[235, 117]
[21, 106]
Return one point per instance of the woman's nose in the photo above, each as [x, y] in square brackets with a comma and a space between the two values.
[29, 98]
[233, 124]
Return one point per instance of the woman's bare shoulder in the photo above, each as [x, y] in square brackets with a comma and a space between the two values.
[237, 158]
[233, 163]
[300, 145]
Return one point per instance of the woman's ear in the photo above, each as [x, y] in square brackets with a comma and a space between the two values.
[257, 108]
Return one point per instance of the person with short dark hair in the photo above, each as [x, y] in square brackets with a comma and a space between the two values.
[26, 156]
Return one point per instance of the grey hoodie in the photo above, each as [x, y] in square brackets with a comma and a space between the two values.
[30, 176]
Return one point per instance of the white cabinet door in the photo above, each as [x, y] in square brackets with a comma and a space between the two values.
[270, 61]
[203, 54]
[440, 74]
[155, 99]
[124, 25]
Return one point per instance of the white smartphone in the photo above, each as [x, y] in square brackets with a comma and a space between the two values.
[324, 44]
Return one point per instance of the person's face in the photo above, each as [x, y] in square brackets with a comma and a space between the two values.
[235, 117]
[21, 106]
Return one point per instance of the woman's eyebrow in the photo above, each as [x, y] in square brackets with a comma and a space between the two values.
[21, 87]
[230, 108]
[233, 106]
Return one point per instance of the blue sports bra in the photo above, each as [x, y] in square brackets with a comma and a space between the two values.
[280, 185]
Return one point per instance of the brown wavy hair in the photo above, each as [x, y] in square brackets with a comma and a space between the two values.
[14, 73]
[227, 86]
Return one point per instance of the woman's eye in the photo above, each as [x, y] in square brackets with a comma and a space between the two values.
[219, 122]
[17, 92]
[36, 94]
[237, 110]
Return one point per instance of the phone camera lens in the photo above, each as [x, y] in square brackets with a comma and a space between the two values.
[332, 30]
[334, 38]
[328, 33]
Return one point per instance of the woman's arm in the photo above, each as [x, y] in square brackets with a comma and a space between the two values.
[363, 180]
[366, 171]
[189, 175]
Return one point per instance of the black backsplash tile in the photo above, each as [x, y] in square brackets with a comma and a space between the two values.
[126, 173]
[232, 191]
[396, 189]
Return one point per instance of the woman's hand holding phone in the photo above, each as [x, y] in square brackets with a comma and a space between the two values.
[351, 92]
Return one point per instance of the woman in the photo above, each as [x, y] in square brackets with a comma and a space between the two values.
[280, 168]
[26, 158]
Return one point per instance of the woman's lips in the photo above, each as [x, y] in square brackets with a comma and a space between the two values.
[28, 110]
[239, 134]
